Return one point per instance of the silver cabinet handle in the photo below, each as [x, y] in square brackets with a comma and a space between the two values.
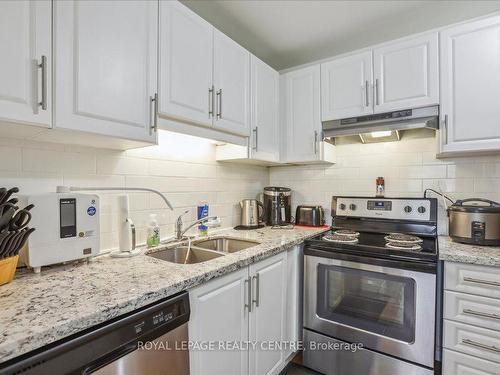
[367, 99]
[445, 136]
[257, 289]
[219, 103]
[376, 91]
[481, 314]
[256, 138]
[315, 142]
[211, 102]
[154, 114]
[43, 67]
[248, 305]
[481, 346]
[479, 281]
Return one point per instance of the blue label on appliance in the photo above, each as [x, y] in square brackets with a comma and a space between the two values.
[91, 211]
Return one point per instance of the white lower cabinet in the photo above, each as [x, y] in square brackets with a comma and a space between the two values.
[218, 314]
[267, 319]
[460, 364]
[471, 312]
[249, 305]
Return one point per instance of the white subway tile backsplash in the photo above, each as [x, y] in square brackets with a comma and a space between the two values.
[408, 167]
[182, 167]
[10, 158]
[34, 160]
[111, 164]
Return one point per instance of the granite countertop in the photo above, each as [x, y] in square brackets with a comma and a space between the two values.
[37, 309]
[459, 252]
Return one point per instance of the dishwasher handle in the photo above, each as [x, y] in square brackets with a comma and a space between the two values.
[106, 360]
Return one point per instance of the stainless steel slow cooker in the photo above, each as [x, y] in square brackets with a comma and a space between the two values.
[475, 224]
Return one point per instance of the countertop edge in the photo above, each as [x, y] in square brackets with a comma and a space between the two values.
[451, 251]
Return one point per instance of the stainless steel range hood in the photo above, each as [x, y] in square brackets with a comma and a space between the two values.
[417, 118]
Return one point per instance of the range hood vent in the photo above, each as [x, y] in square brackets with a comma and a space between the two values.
[418, 118]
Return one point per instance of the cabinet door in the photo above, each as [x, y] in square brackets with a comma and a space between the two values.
[267, 320]
[460, 364]
[25, 37]
[186, 61]
[346, 87]
[264, 98]
[219, 315]
[470, 86]
[105, 67]
[302, 114]
[232, 85]
[406, 74]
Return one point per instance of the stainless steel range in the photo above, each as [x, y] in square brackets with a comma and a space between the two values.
[373, 280]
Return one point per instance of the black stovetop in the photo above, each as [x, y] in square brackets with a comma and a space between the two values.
[372, 244]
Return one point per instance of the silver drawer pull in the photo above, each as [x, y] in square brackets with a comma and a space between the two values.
[481, 346]
[479, 281]
[257, 289]
[482, 314]
[211, 102]
[43, 67]
[367, 100]
[248, 304]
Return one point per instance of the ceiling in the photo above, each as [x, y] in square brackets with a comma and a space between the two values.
[291, 33]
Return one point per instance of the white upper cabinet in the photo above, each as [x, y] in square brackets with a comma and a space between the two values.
[232, 85]
[346, 87]
[186, 65]
[105, 67]
[406, 74]
[25, 41]
[264, 103]
[302, 114]
[301, 117]
[470, 86]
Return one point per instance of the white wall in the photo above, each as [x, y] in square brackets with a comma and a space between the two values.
[185, 169]
[182, 167]
[408, 166]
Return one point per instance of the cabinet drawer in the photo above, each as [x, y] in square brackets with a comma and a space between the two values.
[473, 279]
[479, 342]
[460, 364]
[469, 309]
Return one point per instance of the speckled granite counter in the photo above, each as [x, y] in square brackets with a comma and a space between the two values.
[36, 310]
[463, 253]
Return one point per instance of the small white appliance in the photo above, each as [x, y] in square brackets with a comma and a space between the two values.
[67, 228]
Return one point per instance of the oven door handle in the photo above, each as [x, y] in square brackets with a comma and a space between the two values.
[405, 264]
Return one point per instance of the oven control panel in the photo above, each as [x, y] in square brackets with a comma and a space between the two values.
[384, 208]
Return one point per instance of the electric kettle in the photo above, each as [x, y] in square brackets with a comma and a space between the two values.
[250, 216]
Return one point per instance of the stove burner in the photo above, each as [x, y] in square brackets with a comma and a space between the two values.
[339, 238]
[400, 239]
[400, 246]
[346, 232]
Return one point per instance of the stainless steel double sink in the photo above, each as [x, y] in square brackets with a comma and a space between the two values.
[202, 250]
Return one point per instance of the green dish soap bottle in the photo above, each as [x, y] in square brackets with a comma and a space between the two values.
[153, 238]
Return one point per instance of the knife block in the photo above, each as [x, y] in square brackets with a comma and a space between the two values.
[8, 269]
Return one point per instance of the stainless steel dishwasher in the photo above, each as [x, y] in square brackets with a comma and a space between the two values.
[150, 341]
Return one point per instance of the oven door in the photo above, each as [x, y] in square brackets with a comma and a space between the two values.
[387, 309]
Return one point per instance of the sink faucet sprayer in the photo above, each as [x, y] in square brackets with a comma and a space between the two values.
[211, 222]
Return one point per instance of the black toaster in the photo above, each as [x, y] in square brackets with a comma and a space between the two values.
[312, 216]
